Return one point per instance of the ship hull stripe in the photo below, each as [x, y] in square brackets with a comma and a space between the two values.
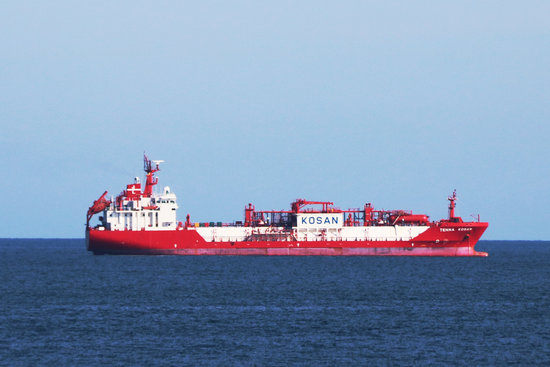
[189, 242]
[312, 251]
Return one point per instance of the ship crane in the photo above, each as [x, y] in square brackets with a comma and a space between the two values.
[300, 203]
[97, 207]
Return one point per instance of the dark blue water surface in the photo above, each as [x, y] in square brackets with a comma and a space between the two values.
[61, 305]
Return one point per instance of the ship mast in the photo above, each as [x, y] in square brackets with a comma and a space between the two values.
[150, 179]
[452, 205]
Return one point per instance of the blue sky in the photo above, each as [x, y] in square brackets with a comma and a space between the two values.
[395, 103]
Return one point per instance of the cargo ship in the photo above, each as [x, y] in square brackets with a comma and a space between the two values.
[143, 221]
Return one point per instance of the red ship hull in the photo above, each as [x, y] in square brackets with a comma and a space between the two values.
[145, 223]
[445, 239]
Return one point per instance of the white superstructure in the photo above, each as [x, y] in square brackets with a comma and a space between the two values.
[157, 212]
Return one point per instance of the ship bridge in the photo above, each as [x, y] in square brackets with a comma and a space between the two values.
[135, 209]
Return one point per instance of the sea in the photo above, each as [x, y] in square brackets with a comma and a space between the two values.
[63, 306]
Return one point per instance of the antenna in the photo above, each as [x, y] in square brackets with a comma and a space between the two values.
[158, 162]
